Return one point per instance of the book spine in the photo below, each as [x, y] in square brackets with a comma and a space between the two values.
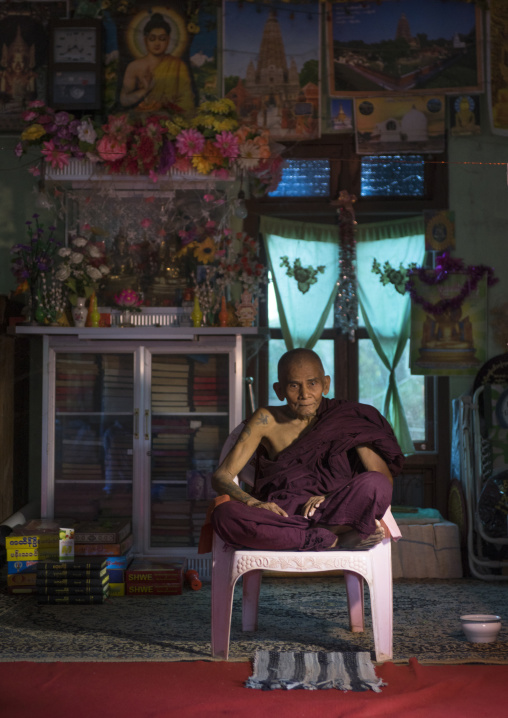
[102, 537]
[71, 599]
[153, 576]
[83, 565]
[71, 582]
[103, 549]
[72, 590]
[27, 554]
[154, 589]
[32, 541]
[85, 575]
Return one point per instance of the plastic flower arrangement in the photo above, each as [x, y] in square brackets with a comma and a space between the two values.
[128, 300]
[211, 143]
[82, 265]
[31, 260]
[241, 263]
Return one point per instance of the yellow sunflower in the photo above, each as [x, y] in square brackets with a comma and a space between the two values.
[205, 251]
[34, 132]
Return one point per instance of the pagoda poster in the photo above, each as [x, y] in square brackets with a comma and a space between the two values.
[271, 66]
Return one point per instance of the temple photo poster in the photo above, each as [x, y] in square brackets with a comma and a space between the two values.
[404, 46]
[497, 87]
[450, 342]
[400, 124]
[271, 66]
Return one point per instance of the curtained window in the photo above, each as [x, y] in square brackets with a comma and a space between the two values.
[385, 313]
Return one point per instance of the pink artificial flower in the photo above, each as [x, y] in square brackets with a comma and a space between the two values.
[119, 127]
[34, 171]
[190, 142]
[210, 225]
[208, 197]
[29, 115]
[221, 173]
[54, 156]
[18, 150]
[86, 227]
[36, 103]
[128, 298]
[227, 144]
[110, 150]
[153, 176]
[145, 223]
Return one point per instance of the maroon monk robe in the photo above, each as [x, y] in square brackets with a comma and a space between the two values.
[322, 462]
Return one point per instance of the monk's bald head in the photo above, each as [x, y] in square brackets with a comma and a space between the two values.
[295, 357]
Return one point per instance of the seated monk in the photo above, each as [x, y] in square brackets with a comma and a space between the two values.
[323, 469]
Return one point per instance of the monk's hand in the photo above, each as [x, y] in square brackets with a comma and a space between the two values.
[269, 506]
[311, 505]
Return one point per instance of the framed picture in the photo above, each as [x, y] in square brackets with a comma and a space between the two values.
[400, 124]
[454, 341]
[161, 56]
[271, 66]
[497, 87]
[340, 118]
[404, 46]
[24, 55]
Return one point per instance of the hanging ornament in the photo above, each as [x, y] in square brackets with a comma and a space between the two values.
[346, 302]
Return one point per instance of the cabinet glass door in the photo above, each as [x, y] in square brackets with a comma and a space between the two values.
[93, 460]
[190, 423]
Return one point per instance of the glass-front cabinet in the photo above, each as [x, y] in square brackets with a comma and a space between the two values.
[134, 428]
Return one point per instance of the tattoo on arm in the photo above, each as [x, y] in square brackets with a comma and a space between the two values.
[244, 435]
[262, 418]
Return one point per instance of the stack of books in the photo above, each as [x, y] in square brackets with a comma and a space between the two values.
[117, 383]
[170, 385]
[84, 580]
[26, 546]
[146, 577]
[76, 381]
[104, 537]
[210, 386]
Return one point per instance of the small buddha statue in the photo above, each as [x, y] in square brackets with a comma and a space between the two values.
[123, 270]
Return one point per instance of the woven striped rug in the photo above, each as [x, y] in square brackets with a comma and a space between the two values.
[313, 671]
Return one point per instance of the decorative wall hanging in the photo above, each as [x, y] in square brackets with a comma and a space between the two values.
[497, 48]
[439, 230]
[346, 303]
[400, 124]
[24, 55]
[271, 66]
[392, 46]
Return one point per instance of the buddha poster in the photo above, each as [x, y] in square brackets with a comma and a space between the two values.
[271, 66]
[24, 56]
[448, 337]
[161, 57]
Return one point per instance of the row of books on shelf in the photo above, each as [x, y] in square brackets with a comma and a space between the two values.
[176, 385]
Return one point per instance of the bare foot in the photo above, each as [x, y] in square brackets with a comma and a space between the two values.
[352, 539]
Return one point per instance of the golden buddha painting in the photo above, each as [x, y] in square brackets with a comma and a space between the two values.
[451, 340]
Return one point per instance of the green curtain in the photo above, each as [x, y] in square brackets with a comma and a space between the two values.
[302, 315]
[386, 312]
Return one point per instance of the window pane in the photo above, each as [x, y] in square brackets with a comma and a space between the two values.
[277, 347]
[304, 178]
[373, 381]
[273, 314]
[392, 176]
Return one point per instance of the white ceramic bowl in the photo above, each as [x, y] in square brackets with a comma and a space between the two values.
[481, 627]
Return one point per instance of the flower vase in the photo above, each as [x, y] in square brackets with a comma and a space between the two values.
[79, 312]
[94, 316]
[223, 314]
[197, 314]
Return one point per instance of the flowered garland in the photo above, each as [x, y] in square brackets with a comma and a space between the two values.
[404, 280]
[211, 143]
